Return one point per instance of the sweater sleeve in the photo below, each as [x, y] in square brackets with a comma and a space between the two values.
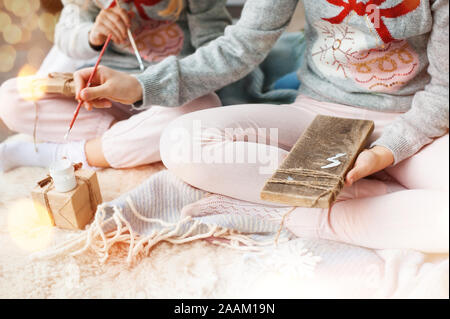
[429, 114]
[72, 31]
[207, 20]
[174, 82]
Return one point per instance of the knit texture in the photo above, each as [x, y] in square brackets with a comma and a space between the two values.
[151, 214]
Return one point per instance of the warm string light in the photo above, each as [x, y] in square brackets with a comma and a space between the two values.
[29, 226]
[27, 90]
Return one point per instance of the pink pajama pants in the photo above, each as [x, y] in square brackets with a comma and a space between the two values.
[129, 138]
[215, 150]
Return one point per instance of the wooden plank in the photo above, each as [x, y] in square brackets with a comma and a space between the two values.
[312, 174]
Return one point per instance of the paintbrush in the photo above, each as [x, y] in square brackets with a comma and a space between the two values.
[77, 110]
[133, 44]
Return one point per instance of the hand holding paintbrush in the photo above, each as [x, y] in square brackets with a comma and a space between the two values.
[117, 22]
[112, 21]
[97, 87]
[89, 82]
[114, 24]
[107, 85]
[133, 43]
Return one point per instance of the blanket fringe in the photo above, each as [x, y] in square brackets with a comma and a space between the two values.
[95, 238]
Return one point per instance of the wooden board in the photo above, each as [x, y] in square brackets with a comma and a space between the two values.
[312, 174]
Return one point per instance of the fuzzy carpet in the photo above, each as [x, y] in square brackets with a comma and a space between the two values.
[199, 269]
[196, 270]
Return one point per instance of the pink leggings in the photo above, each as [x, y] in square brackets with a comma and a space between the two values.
[216, 150]
[131, 142]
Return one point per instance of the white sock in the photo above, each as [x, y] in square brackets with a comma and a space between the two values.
[15, 154]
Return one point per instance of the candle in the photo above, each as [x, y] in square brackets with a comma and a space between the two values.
[63, 175]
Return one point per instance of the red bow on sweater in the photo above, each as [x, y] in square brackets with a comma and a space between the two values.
[372, 10]
[138, 4]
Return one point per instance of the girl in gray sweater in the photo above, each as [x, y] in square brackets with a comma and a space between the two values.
[383, 60]
[161, 28]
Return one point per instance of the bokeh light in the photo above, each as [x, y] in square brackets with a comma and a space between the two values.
[35, 5]
[7, 58]
[9, 4]
[46, 22]
[5, 20]
[26, 33]
[31, 22]
[26, 84]
[29, 227]
[12, 34]
[21, 8]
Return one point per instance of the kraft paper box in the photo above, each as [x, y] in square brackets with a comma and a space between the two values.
[56, 83]
[71, 210]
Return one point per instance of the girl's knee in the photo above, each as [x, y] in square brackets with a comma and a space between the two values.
[428, 169]
[11, 104]
[185, 140]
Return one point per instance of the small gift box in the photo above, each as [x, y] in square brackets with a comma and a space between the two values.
[57, 83]
[70, 200]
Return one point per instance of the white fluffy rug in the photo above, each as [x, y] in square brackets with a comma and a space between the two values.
[199, 269]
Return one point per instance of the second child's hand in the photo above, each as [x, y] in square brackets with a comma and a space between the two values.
[107, 85]
[114, 21]
[370, 162]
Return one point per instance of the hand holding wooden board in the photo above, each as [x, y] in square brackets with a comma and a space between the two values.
[313, 173]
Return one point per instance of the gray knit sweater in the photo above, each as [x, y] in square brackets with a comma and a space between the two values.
[397, 63]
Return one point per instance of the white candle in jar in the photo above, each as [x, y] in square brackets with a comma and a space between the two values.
[63, 175]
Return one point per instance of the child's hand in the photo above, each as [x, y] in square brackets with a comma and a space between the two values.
[369, 162]
[114, 21]
[107, 85]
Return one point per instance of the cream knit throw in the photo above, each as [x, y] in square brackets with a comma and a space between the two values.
[151, 214]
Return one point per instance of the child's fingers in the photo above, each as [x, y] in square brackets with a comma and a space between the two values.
[107, 27]
[352, 176]
[117, 20]
[365, 165]
[101, 103]
[93, 93]
[87, 106]
[98, 104]
[80, 78]
[123, 14]
[104, 30]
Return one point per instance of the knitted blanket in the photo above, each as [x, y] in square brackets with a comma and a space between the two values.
[152, 213]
